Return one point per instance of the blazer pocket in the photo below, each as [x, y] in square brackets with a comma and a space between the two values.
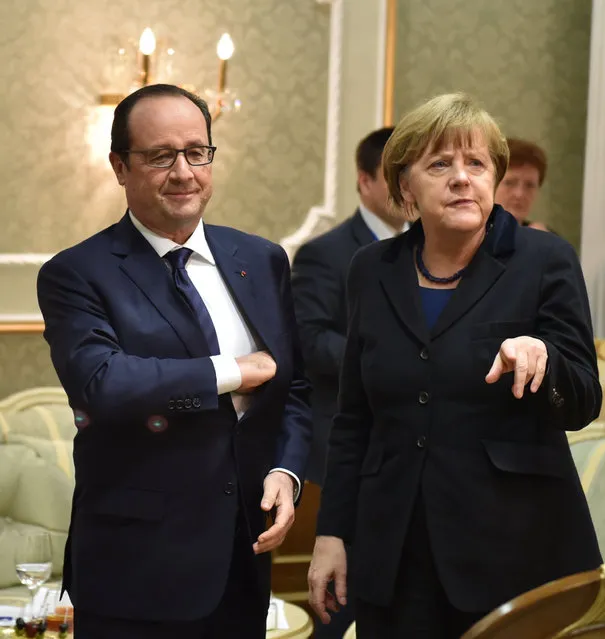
[128, 503]
[503, 330]
[526, 459]
[372, 461]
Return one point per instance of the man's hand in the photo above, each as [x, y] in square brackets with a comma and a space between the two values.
[279, 493]
[256, 369]
[329, 563]
[527, 357]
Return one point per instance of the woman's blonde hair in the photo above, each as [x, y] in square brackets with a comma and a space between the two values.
[449, 118]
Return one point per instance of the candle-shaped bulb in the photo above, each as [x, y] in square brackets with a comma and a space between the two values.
[147, 42]
[225, 47]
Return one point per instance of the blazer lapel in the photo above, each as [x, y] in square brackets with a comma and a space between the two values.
[400, 284]
[147, 270]
[242, 280]
[483, 272]
[400, 281]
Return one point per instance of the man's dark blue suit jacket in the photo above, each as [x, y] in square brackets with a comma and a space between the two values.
[162, 464]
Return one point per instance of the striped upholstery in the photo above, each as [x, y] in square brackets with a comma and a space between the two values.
[600, 347]
[588, 450]
[36, 472]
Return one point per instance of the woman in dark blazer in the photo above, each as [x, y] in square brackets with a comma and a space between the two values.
[469, 354]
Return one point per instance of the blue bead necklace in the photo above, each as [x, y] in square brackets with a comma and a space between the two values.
[431, 278]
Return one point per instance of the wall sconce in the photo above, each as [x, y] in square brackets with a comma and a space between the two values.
[223, 100]
[152, 62]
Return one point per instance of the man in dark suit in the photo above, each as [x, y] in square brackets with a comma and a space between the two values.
[176, 344]
[319, 274]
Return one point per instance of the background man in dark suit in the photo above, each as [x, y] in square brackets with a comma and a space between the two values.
[176, 344]
[319, 274]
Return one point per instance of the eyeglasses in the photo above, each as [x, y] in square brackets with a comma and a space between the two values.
[165, 158]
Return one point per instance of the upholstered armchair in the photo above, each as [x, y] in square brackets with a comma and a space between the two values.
[36, 472]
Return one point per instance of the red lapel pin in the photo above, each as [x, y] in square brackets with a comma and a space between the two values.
[242, 273]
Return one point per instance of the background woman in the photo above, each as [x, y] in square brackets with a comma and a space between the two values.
[519, 188]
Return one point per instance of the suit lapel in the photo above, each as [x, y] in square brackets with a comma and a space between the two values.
[360, 230]
[149, 273]
[400, 281]
[483, 272]
[242, 279]
[400, 284]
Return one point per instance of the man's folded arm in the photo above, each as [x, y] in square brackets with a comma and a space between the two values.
[99, 377]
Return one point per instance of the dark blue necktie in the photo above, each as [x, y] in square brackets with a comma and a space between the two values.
[177, 260]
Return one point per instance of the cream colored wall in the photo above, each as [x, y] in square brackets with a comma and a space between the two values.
[58, 188]
[526, 61]
[57, 185]
[361, 99]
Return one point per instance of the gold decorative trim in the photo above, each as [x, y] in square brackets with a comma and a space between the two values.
[111, 99]
[389, 63]
[293, 595]
[22, 327]
[292, 559]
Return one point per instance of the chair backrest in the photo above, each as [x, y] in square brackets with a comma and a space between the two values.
[569, 607]
[36, 472]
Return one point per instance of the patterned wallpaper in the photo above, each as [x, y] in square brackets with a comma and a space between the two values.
[25, 363]
[58, 187]
[526, 61]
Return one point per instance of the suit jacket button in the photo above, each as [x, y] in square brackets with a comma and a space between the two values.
[423, 398]
[421, 441]
[229, 488]
[196, 402]
[171, 404]
[179, 404]
[424, 353]
[187, 403]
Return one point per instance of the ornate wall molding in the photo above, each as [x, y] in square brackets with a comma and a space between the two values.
[593, 206]
[326, 210]
[19, 270]
[22, 259]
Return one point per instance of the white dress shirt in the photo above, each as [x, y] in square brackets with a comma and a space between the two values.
[380, 229]
[234, 336]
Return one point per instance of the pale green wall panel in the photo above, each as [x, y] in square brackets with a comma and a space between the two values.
[526, 61]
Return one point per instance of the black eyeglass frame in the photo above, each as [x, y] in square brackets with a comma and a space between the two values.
[145, 152]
